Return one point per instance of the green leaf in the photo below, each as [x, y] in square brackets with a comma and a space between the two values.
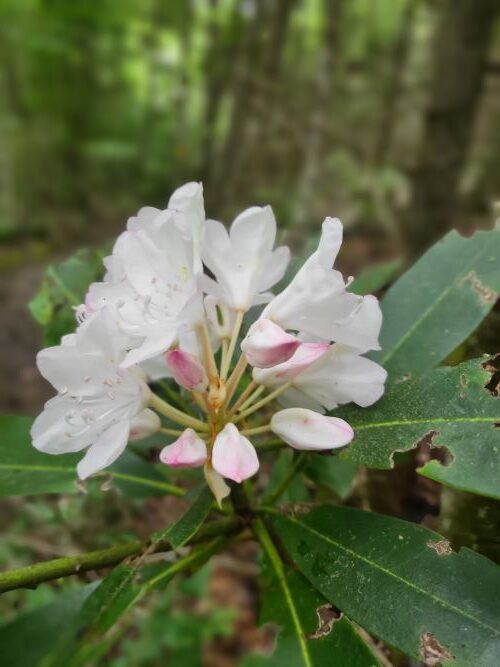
[399, 581]
[375, 277]
[190, 522]
[26, 639]
[306, 637]
[439, 302]
[26, 471]
[448, 405]
[332, 472]
[64, 286]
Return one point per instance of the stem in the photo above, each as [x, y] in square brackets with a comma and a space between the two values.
[251, 399]
[235, 377]
[208, 353]
[256, 430]
[232, 344]
[267, 399]
[31, 576]
[223, 353]
[242, 398]
[277, 493]
[176, 415]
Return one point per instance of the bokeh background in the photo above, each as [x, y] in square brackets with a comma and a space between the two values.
[385, 113]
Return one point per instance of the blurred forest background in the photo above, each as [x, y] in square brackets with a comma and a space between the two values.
[385, 113]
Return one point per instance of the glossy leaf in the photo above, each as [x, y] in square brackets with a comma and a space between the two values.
[439, 302]
[189, 523]
[332, 472]
[449, 407]
[309, 635]
[26, 471]
[399, 581]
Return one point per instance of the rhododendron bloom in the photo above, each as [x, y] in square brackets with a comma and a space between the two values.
[97, 401]
[171, 306]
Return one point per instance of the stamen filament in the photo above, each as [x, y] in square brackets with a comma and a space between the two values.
[176, 415]
[242, 398]
[208, 354]
[256, 430]
[267, 399]
[235, 377]
[232, 345]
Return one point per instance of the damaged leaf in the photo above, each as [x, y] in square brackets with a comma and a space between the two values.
[439, 302]
[382, 574]
[448, 408]
[432, 653]
[309, 630]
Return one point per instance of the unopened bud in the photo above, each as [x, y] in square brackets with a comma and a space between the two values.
[188, 451]
[233, 455]
[187, 370]
[308, 430]
[267, 344]
[146, 423]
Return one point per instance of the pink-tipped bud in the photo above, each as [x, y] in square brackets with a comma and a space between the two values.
[146, 423]
[187, 370]
[308, 430]
[188, 451]
[305, 355]
[266, 344]
[233, 455]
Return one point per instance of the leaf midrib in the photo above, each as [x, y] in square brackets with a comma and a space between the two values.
[423, 420]
[389, 573]
[164, 486]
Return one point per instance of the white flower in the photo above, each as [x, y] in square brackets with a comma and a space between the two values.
[243, 261]
[317, 304]
[97, 401]
[308, 430]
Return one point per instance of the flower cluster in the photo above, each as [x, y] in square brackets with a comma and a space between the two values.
[171, 305]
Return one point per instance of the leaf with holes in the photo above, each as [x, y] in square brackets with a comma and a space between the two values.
[395, 580]
[439, 302]
[24, 471]
[449, 407]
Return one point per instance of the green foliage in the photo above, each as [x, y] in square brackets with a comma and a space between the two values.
[63, 288]
[26, 471]
[439, 302]
[400, 581]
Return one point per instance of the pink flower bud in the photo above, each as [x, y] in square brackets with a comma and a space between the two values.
[188, 451]
[186, 370]
[146, 423]
[266, 344]
[233, 455]
[305, 355]
[308, 430]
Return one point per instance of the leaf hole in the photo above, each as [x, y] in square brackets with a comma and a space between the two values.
[328, 615]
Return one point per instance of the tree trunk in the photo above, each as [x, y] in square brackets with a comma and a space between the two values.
[461, 46]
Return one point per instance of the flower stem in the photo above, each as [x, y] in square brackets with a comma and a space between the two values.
[256, 430]
[247, 402]
[171, 431]
[232, 344]
[176, 415]
[235, 377]
[264, 401]
[242, 398]
[32, 575]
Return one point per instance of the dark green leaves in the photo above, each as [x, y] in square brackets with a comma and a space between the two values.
[451, 407]
[189, 523]
[400, 581]
[433, 307]
[26, 471]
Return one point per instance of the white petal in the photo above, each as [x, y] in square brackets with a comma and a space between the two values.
[362, 329]
[52, 434]
[106, 449]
